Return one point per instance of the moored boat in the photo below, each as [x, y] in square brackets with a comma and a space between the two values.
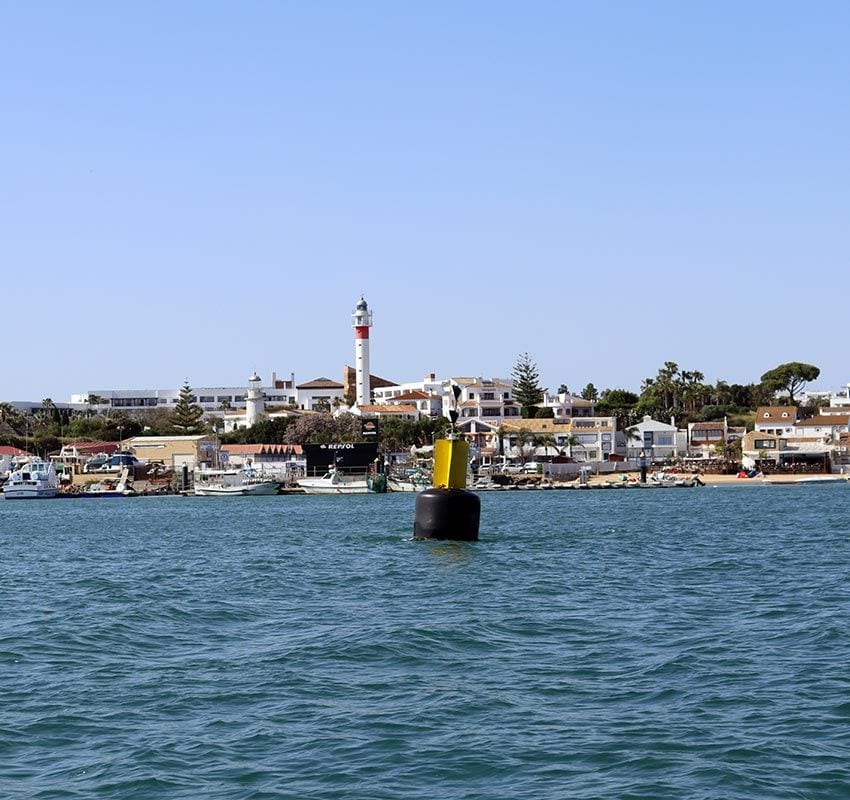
[336, 482]
[230, 482]
[33, 480]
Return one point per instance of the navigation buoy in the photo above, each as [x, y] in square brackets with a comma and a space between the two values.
[447, 510]
[447, 514]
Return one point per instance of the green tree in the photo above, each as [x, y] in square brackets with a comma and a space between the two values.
[590, 393]
[527, 390]
[619, 403]
[9, 416]
[187, 414]
[791, 377]
[323, 429]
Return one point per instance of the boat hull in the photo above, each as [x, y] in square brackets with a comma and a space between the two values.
[339, 488]
[28, 493]
[405, 486]
[265, 488]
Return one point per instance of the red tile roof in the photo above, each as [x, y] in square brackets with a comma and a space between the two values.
[94, 447]
[389, 409]
[320, 383]
[825, 420]
[7, 450]
[263, 449]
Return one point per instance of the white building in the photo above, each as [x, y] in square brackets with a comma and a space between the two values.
[657, 440]
[212, 399]
[779, 420]
[565, 405]
[320, 394]
[487, 399]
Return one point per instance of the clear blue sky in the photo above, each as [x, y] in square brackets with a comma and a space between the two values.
[203, 189]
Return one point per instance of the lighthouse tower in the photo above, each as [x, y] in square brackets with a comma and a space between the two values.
[361, 321]
[254, 401]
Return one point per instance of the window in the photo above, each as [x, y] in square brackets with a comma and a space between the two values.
[487, 396]
[606, 437]
[587, 438]
[472, 395]
[206, 399]
[664, 440]
[490, 412]
[506, 395]
[765, 444]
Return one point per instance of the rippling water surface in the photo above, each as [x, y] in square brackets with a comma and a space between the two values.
[616, 644]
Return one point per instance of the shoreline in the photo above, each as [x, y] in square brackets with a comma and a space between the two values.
[722, 480]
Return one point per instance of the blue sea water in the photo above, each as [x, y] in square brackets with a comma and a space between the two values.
[602, 644]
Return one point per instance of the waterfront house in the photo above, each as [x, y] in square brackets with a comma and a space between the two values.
[779, 420]
[823, 426]
[657, 440]
[777, 452]
[705, 438]
[583, 439]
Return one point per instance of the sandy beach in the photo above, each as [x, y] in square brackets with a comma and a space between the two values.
[711, 480]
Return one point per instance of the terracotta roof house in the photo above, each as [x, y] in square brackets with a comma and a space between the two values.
[394, 411]
[776, 419]
[704, 437]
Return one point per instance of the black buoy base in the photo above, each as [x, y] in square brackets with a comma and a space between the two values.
[447, 514]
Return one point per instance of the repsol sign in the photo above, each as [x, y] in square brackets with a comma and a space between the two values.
[345, 456]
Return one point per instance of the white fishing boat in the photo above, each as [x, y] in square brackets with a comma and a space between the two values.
[412, 482]
[335, 482]
[33, 480]
[229, 482]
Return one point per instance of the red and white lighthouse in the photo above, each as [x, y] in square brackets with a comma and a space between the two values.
[361, 321]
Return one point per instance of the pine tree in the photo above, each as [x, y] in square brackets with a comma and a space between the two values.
[187, 414]
[527, 389]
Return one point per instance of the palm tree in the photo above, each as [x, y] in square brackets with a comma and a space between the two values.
[7, 411]
[93, 400]
[631, 434]
[546, 440]
[574, 441]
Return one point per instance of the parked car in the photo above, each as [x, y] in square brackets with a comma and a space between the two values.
[118, 461]
[532, 468]
[512, 469]
[95, 463]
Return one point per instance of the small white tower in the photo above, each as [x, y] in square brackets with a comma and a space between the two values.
[361, 321]
[254, 401]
